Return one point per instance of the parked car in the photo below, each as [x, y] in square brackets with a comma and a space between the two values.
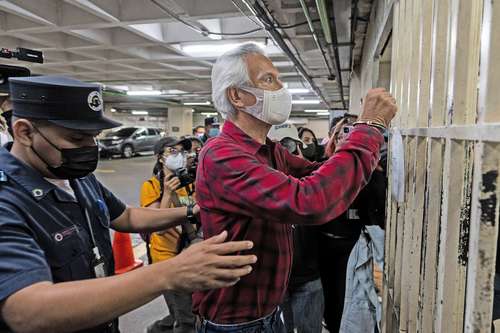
[128, 141]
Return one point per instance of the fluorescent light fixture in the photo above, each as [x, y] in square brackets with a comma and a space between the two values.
[298, 90]
[323, 113]
[124, 88]
[306, 101]
[282, 63]
[144, 93]
[215, 49]
[210, 49]
[175, 92]
[197, 103]
[140, 113]
[315, 111]
[208, 114]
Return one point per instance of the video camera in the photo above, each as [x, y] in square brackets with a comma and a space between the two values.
[22, 54]
[7, 71]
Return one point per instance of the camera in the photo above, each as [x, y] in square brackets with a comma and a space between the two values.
[186, 176]
[22, 54]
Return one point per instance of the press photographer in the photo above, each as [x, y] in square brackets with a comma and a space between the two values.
[172, 186]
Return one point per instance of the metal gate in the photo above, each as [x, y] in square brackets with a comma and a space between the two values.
[441, 240]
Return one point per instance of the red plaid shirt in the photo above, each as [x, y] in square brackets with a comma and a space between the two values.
[256, 192]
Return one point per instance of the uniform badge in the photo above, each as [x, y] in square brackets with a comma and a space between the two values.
[95, 101]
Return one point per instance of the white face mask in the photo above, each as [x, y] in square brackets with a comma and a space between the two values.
[272, 106]
[175, 161]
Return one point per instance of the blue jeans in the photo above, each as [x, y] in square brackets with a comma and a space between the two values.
[269, 324]
[303, 308]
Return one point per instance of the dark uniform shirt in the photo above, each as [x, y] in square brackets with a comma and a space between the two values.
[44, 234]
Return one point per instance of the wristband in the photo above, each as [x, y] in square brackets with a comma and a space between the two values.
[372, 123]
[190, 215]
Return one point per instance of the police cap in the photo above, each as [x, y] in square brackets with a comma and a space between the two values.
[60, 100]
[171, 141]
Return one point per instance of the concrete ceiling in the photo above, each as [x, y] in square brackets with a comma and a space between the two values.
[136, 45]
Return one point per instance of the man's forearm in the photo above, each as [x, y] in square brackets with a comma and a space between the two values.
[71, 306]
[149, 219]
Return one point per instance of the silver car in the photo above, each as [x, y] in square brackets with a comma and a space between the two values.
[128, 141]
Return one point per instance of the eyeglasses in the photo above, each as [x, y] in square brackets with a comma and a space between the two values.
[174, 151]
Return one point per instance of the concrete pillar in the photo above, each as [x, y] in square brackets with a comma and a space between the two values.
[356, 93]
[180, 121]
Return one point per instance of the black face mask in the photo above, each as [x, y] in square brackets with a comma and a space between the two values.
[76, 162]
[310, 151]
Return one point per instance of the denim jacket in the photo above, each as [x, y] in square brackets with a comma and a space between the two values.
[362, 307]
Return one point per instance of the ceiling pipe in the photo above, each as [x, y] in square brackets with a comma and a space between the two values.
[267, 19]
[305, 9]
[334, 44]
[323, 17]
[354, 27]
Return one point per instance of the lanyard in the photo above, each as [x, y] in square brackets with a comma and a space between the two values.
[80, 198]
[95, 248]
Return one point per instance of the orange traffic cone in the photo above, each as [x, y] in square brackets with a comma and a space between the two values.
[123, 253]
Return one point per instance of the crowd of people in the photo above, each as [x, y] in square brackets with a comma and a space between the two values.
[251, 226]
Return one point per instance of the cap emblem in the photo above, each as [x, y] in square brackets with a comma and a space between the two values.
[95, 101]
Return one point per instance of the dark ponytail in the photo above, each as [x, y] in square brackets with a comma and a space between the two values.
[158, 170]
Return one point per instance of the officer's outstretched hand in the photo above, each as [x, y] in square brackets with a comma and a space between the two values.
[211, 264]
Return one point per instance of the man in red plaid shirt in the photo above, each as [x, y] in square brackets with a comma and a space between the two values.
[256, 190]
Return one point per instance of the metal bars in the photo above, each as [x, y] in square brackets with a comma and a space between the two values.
[441, 241]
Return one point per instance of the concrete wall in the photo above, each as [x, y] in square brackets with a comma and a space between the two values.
[318, 126]
[177, 122]
[198, 119]
[129, 120]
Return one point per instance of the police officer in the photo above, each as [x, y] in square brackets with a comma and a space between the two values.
[212, 128]
[56, 257]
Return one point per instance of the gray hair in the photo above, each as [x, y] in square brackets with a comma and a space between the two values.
[230, 70]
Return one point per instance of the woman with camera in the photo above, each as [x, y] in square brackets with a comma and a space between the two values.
[172, 186]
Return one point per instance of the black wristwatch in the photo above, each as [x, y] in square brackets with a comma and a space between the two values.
[190, 215]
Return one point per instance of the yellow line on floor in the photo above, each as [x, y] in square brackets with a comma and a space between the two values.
[105, 170]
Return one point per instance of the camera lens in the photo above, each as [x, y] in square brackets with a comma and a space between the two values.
[289, 144]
